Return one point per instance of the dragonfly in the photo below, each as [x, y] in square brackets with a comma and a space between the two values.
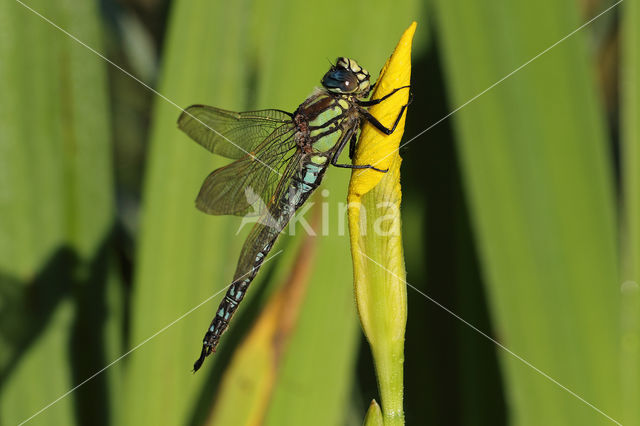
[280, 159]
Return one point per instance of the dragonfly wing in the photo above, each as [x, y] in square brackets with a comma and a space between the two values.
[227, 133]
[248, 184]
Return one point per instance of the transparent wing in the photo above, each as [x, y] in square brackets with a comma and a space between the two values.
[248, 184]
[227, 133]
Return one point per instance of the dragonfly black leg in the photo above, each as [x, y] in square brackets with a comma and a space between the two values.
[377, 101]
[352, 145]
[334, 159]
[378, 125]
[358, 166]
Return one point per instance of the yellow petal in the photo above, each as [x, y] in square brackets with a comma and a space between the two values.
[374, 147]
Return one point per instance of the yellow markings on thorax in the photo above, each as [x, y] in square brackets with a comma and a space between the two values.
[327, 142]
[318, 159]
[321, 130]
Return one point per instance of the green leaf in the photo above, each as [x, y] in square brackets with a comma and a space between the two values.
[540, 186]
[630, 156]
[57, 213]
[184, 256]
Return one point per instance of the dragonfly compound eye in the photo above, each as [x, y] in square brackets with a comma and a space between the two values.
[340, 80]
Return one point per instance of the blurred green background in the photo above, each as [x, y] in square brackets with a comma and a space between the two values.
[520, 214]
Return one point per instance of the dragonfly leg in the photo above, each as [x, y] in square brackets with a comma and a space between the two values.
[378, 125]
[352, 145]
[359, 166]
[377, 101]
[334, 159]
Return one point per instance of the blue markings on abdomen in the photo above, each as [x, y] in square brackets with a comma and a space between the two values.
[311, 172]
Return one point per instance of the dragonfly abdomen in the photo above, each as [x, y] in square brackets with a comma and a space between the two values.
[228, 307]
[251, 258]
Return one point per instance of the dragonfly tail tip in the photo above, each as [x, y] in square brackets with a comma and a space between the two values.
[199, 361]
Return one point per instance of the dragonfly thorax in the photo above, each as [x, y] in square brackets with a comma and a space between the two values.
[322, 120]
[347, 77]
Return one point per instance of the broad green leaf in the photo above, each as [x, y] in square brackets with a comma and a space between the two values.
[630, 238]
[540, 186]
[56, 210]
[184, 256]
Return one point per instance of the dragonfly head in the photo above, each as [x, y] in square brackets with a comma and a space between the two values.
[347, 77]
